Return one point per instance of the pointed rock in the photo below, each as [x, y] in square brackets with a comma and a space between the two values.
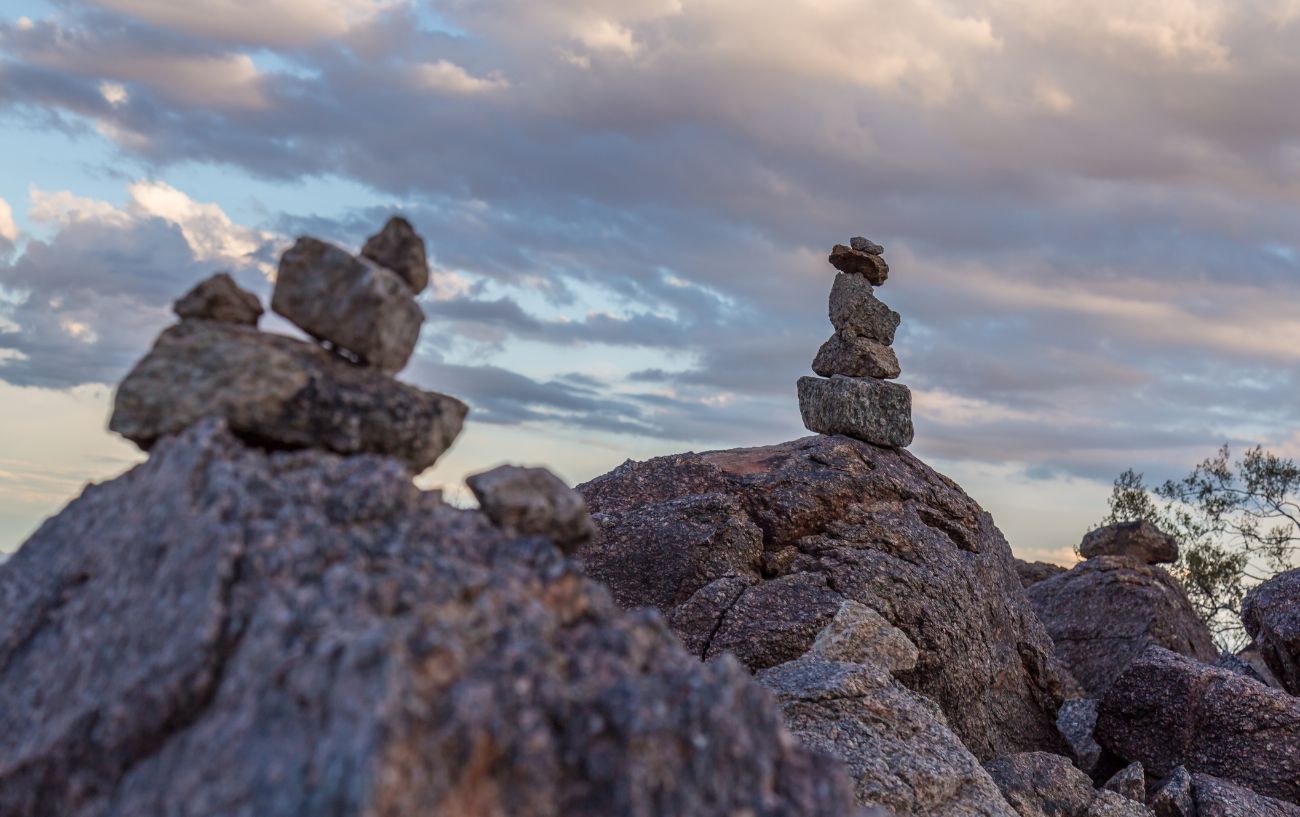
[399, 248]
[533, 502]
[855, 311]
[219, 299]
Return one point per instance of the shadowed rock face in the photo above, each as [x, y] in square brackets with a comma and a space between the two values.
[1103, 613]
[1039, 784]
[1219, 798]
[226, 631]
[754, 550]
[1271, 613]
[281, 392]
[1140, 540]
[1168, 710]
[1032, 573]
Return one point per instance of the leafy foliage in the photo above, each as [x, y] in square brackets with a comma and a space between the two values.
[1237, 524]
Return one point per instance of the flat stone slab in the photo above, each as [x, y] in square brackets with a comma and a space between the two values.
[280, 392]
[874, 411]
[856, 357]
[856, 262]
[353, 303]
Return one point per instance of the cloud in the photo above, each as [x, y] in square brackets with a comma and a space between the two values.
[451, 78]
[8, 230]
[251, 22]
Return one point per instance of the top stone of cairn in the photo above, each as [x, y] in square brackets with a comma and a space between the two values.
[865, 261]
[399, 248]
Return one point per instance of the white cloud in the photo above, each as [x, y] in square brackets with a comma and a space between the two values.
[8, 230]
[448, 77]
[114, 93]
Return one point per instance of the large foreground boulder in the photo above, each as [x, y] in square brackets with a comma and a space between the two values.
[753, 551]
[280, 392]
[1271, 613]
[227, 631]
[1103, 613]
[1167, 710]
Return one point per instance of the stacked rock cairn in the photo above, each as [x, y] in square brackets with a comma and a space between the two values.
[337, 394]
[854, 394]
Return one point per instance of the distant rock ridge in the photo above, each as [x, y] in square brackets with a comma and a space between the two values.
[853, 394]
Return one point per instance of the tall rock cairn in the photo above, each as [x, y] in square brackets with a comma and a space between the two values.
[854, 395]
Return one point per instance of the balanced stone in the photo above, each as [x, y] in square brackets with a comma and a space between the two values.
[219, 298]
[874, 411]
[865, 245]
[280, 392]
[353, 303]
[856, 262]
[533, 502]
[399, 248]
[1141, 540]
[856, 311]
[856, 357]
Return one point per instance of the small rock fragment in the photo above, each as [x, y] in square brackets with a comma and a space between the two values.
[354, 304]
[856, 311]
[1040, 784]
[533, 502]
[1173, 797]
[1130, 782]
[860, 635]
[1031, 573]
[1075, 721]
[399, 248]
[1139, 540]
[1219, 798]
[856, 357]
[219, 299]
[874, 411]
[856, 262]
[865, 245]
[1271, 613]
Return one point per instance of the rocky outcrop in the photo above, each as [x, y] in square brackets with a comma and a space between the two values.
[1138, 540]
[1167, 710]
[280, 392]
[850, 396]
[1103, 613]
[225, 630]
[219, 299]
[1271, 613]
[1032, 573]
[755, 550]
[1039, 784]
[1173, 796]
[351, 303]
[533, 502]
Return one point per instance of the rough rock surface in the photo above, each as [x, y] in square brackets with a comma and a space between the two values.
[874, 411]
[1076, 721]
[533, 502]
[716, 540]
[1140, 540]
[219, 298]
[1129, 782]
[1032, 573]
[1219, 798]
[354, 304]
[862, 244]
[1168, 710]
[226, 631]
[855, 262]
[1040, 784]
[1103, 613]
[897, 746]
[1173, 797]
[399, 248]
[1271, 613]
[856, 357]
[280, 392]
[855, 311]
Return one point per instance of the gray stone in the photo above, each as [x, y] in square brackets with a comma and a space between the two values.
[228, 631]
[1219, 798]
[1032, 573]
[865, 245]
[697, 535]
[1140, 540]
[354, 304]
[860, 635]
[280, 392]
[1131, 782]
[1103, 613]
[855, 311]
[399, 248]
[1168, 710]
[1039, 784]
[533, 502]
[1271, 613]
[1173, 797]
[854, 262]
[220, 299]
[1076, 720]
[874, 411]
[856, 357]
[900, 753]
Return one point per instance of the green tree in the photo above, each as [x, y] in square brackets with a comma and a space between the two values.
[1237, 522]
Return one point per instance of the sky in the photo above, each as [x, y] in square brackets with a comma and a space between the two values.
[1090, 210]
